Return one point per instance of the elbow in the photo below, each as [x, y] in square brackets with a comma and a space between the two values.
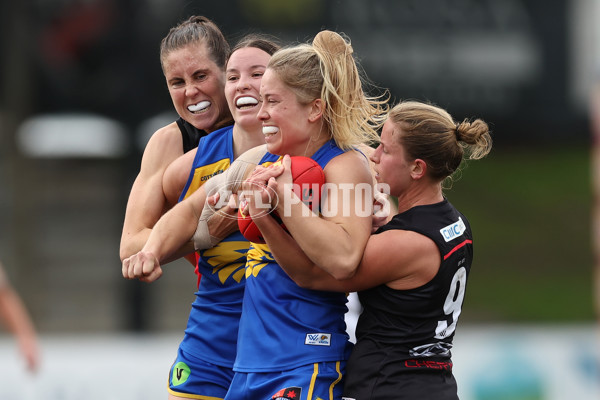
[305, 283]
[343, 268]
[125, 252]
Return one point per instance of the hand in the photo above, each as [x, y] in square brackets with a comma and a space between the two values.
[381, 211]
[143, 266]
[29, 348]
[257, 194]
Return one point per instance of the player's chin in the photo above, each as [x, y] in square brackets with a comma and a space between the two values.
[273, 145]
[203, 121]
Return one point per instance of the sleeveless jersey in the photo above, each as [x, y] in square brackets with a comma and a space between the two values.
[212, 328]
[189, 134]
[415, 327]
[284, 326]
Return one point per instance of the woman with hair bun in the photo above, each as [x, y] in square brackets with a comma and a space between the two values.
[412, 278]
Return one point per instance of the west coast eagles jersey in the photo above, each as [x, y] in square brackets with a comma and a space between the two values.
[212, 329]
[283, 325]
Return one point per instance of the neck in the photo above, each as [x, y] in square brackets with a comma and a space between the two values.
[313, 146]
[245, 138]
[317, 139]
[420, 195]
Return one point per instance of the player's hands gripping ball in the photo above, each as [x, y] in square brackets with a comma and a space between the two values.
[307, 178]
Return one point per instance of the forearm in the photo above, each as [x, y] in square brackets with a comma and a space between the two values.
[171, 236]
[288, 254]
[15, 315]
[144, 208]
[131, 243]
[335, 246]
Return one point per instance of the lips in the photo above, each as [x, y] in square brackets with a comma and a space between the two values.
[203, 105]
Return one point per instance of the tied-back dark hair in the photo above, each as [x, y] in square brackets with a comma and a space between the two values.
[196, 29]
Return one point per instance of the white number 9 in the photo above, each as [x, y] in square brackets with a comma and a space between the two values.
[453, 304]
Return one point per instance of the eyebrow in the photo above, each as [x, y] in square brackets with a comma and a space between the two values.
[251, 67]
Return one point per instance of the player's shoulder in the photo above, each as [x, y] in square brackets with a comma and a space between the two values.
[166, 142]
[169, 135]
[351, 160]
[253, 155]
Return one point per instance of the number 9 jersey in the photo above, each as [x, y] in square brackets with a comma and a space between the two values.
[401, 333]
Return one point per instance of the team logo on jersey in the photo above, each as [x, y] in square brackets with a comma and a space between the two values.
[228, 259]
[318, 339]
[181, 373]
[454, 230]
[291, 393]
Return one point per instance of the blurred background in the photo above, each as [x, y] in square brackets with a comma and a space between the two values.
[81, 90]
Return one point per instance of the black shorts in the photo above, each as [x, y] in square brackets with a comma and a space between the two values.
[379, 375]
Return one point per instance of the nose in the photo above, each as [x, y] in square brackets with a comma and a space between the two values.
[242, 84]
[375, 156]
[191, 90]
[262, 115]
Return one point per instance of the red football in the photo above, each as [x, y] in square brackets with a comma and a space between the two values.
[308, 178]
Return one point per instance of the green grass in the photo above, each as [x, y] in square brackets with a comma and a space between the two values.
[530, 215]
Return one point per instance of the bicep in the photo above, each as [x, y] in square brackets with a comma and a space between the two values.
[147, 199]
[348, 197]
[378, 266]
[176, 176]
[397, 258]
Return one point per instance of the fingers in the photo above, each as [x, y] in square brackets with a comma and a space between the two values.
[125, 268]
[143, 266]
[152, 276]
[262, 174]
[214, 199]
[231, 208]
[272, 184]
[287, 161]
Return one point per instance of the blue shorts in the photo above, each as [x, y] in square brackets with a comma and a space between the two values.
[309, 382]
[193, 378]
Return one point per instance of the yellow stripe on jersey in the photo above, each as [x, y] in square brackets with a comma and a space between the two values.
[204, 173]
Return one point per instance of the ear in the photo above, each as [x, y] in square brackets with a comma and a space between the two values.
[316, 110]
[418, 169]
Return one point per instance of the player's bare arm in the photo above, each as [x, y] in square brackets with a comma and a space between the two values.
[336, 241]
[146, 200]
[172, 235]
[400, 259]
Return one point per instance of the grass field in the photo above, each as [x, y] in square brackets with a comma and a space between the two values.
[530, 213]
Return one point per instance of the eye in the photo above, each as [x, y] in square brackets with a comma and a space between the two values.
[257, 75]
[174, 83]
[232, 78]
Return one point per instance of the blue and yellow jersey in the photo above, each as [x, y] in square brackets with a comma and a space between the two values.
[284, 326]
[212, 329]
